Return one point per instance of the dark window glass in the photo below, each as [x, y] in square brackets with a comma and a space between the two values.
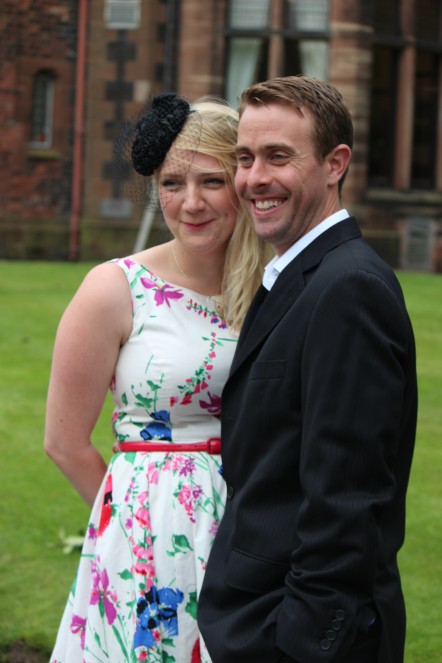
[292, 58]
[427, 19]
[382, 114]
[41, 129]
[425, 121]
[386, 17]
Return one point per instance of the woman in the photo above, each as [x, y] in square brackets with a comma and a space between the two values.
[160, 328]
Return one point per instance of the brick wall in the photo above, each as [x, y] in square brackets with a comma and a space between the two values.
[35, 183]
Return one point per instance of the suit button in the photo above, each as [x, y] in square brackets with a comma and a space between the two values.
[336, 624]
[340, 614]
[325, 645]
[331, 635]
[230, 492]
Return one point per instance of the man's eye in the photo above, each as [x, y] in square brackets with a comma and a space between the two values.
[279, 156]
[244, 159]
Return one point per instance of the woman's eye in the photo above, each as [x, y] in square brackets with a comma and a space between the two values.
[215, 181]
[169, 184]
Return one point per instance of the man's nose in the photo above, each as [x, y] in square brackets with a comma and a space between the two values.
[258, 174]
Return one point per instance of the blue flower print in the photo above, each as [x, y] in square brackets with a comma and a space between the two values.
[155, 607]
[157, 430]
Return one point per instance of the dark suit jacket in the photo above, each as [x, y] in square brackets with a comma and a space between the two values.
[318, 428]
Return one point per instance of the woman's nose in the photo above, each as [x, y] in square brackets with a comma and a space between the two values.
[193, 200]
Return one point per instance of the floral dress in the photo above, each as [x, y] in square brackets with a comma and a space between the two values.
[154, 519]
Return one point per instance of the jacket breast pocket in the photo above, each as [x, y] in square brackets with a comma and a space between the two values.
[268, 370]
[254, 574]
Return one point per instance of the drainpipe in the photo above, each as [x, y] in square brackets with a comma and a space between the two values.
[77, 167]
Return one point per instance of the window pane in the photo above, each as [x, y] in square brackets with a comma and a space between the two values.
[425, 121]
[386, 17]
[427, 19]
[306, 57]
[122, 14]
[382, 114]
[42, 110]
[249, 14]
[308, 15]
[247, 64]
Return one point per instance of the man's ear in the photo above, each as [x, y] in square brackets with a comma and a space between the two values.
[338, 160]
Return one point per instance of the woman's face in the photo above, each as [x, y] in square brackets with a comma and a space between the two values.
[199, 204]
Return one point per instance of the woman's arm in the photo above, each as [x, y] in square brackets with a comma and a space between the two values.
[91, 332]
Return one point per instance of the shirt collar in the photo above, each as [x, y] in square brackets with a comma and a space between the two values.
[278, 263]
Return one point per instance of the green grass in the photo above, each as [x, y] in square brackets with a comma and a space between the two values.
[37, 502]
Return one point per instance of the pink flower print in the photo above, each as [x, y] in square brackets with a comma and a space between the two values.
[143, 517]
[92, 532]
[177, 461]
[142, 514]
[187, 467]
[78, 625]
[144, 564]
[173, 401]
[162, 294]
[147, 570]
[214, 528]
[214, 404]
[141, 552]
[129, 490]
[152, 473]
[128, 524]
[101, 592]
[188, 496]
[128, 262]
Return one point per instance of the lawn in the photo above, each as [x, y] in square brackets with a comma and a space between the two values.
[38, 503]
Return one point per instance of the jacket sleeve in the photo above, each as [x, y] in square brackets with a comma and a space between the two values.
[356, 358]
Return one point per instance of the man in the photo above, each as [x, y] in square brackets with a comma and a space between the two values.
[319, 411]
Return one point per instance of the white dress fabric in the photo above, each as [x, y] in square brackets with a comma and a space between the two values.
[154, 519]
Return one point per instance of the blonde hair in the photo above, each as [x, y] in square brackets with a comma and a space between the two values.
[212, 130]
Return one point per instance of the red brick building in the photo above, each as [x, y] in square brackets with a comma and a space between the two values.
[71, 71]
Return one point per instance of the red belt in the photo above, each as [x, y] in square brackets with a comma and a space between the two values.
[211, 446]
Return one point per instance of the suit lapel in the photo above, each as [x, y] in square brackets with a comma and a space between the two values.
[268, 308]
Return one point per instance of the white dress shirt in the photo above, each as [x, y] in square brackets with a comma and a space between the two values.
[278, 263]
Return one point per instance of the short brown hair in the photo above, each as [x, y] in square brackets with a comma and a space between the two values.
[332, 119]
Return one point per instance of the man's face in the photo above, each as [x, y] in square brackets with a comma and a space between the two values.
[279, 178]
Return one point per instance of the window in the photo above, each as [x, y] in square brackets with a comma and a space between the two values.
[382, 114]
[425, 121]
[406, 96]
[122, 14]
[42, 110]
[269, 38]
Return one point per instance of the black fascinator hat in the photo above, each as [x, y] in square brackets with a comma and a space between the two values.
[156, 130]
